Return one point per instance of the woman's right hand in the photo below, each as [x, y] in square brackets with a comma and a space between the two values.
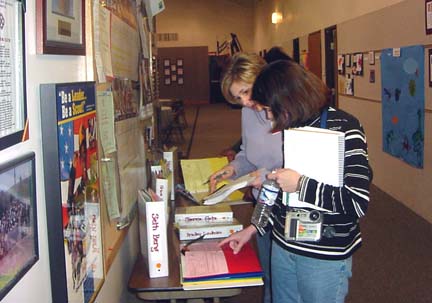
[238, 239]
[222, 174]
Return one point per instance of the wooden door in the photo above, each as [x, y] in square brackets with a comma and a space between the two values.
[314, 54]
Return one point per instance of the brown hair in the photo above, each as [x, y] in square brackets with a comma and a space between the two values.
[242, 67]
[294, 94]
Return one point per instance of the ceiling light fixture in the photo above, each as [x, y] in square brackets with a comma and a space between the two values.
[276, 18]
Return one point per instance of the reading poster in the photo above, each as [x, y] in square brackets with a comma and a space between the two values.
[79, 180]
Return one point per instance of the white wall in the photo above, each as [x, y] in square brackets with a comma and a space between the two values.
[35, 286]
[204, 22]
[368, 30]
[303, 17]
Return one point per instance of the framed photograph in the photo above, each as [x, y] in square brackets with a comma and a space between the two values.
[173, 67]
[167, 72]
[430, 66]
[18, 235]
[166, 63]
[180, 71]
[60, 27]
[180, 80]
[428, 17]
[174, 78]
[179, 62]
[12, 76]
[167, 81]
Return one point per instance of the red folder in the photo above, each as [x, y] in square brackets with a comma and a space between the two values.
[245, 264]
[246, 261]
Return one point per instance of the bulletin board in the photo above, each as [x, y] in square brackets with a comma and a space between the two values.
[391, 27]
[123, 83]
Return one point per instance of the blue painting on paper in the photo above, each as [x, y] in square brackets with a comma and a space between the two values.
[403, 104]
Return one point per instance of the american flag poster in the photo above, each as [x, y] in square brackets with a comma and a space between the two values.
[79, 182]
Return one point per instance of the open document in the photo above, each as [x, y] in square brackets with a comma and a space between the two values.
[205, 265]
[224, 191]
[196, 173]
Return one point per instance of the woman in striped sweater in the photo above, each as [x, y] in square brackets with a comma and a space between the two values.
[311, 271]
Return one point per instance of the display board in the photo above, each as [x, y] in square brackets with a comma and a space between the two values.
[124, 96]
[379, 30]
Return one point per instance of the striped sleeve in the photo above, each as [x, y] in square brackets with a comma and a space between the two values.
[353, 197]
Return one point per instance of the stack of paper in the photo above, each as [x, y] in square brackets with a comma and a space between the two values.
[205, 265]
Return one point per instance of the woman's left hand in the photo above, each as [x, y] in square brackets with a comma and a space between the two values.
[286, 178]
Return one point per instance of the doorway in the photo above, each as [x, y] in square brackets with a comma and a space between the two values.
[296, 50]
[330, 62]
[314, 54]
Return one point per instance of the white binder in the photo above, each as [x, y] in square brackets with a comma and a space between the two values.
[153, 235]
[317, 153]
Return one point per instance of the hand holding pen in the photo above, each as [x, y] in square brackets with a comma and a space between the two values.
[220, 175]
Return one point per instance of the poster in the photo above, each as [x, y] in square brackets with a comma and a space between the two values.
[402, 82]
[79, 182]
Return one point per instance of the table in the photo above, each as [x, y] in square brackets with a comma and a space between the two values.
[169, 288]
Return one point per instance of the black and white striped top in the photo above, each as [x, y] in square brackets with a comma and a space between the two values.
[346, 204]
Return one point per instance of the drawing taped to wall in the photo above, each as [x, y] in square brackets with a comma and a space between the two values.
[340, 64]
[402, 81]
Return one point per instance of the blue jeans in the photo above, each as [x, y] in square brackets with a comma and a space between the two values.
[264, 245]
[299, 279]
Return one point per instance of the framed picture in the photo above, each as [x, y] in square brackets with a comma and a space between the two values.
[428, 16]
[180, 71]
[166, 62]
[12, 76]
[174, 78]
[173, 67]
[179, 62]
[60, 27]
[167, 81]
[167, 72]
[430, 66]
[180, 80]
[18, 235]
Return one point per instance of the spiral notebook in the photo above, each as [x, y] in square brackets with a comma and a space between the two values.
[317, 153]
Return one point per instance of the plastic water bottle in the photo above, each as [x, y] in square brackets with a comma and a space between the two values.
[266, 199]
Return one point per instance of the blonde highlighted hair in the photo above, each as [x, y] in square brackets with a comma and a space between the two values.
[243, 67]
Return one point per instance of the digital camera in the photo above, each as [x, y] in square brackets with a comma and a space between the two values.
[302, 225]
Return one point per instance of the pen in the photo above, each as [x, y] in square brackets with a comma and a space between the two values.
[185, 248]
[217, 177]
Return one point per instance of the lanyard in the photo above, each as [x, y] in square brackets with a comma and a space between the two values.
[323, 120]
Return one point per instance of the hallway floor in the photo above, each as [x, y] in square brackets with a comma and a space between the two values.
[394, 265]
